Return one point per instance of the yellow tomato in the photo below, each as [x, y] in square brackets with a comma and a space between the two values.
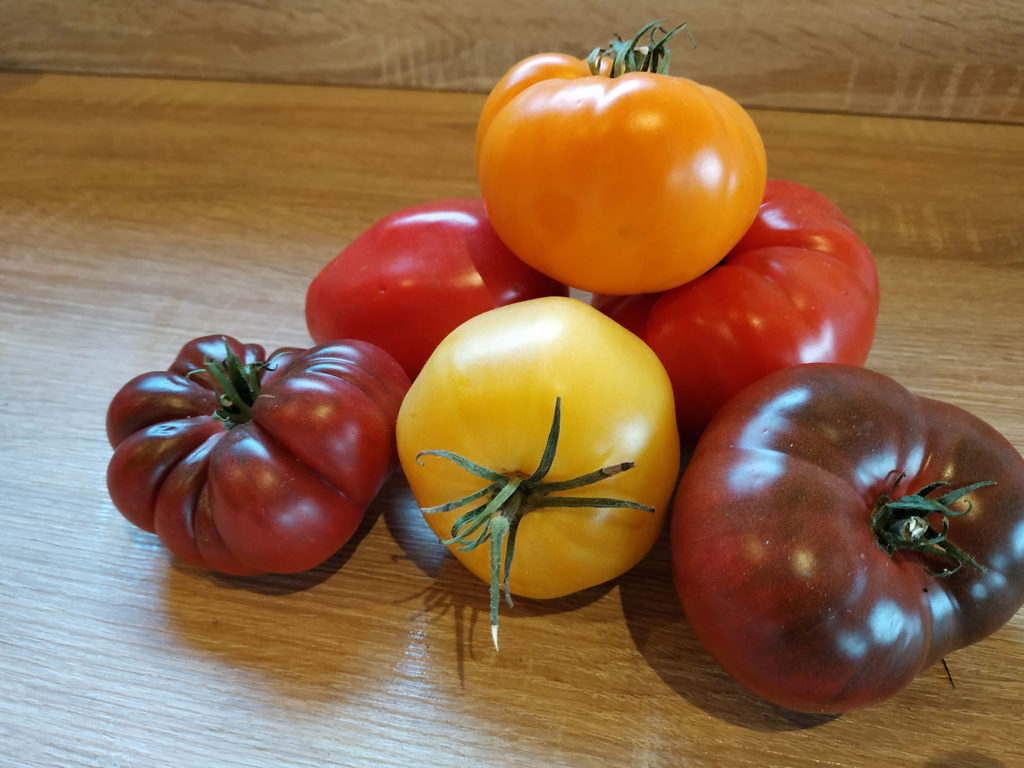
[488, 394]
[617, 181]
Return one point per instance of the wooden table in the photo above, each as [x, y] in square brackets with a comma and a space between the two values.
[136, 214]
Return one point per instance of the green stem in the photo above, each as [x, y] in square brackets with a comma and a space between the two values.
[901, 523]
[632, 57]
[511, 497]
[237, 385]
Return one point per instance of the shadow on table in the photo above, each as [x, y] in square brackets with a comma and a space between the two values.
[404, 521]
[454, 594]
[665, 639]
[287, 628]
[283, 627]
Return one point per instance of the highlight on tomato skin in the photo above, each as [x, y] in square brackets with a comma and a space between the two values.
[615, 179]
[852, 535]
[413, 276]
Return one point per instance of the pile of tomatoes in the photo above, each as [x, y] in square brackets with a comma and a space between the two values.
[630, 283]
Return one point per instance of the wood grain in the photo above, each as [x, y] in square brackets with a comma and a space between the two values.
[961, 59]
[136, 214]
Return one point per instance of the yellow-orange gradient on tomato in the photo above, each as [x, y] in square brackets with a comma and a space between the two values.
[487, 393]
[628, 184]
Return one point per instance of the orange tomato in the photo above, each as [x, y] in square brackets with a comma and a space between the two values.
[628, 184]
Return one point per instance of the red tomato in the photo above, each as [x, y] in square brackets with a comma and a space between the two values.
[807, 536]
[617, 179]
[799, 287]
[415, 275]
[270, 473]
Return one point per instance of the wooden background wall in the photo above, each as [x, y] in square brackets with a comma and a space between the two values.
[955, 59]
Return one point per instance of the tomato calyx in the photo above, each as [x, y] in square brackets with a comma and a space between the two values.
[236, 384]
[629, 56]
[901, 523]
[510, 496]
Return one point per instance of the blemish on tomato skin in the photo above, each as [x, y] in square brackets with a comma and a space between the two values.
[803, 562]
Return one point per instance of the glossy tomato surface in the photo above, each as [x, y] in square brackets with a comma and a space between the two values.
[488, 393]
[413, 276]
[277, 493]
[618, 185]
[776, 561]
[799, 287]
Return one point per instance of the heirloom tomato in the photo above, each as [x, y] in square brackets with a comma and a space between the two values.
[834, 535]
[546, 430]
[247, 464]
[413, 276]
[612, 176]
[799, 287]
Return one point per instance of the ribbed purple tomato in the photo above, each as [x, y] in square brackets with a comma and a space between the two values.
[835, 535]
[246, 463]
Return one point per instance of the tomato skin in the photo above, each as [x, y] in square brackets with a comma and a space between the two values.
[531, 70]
[488, 392]
[799, 287]
[623, 185]
[413, 276]
[774, 558]
[277, 494]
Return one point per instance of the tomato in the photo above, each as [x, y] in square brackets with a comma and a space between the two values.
[834, 535]
[614, 181]
[494, 392]
[413, 276]
[799, 287]
[247, 464]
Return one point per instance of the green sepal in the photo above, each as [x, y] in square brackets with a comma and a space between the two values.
[511, 498]
[632, 57]
[900, 523]
[237, 386]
